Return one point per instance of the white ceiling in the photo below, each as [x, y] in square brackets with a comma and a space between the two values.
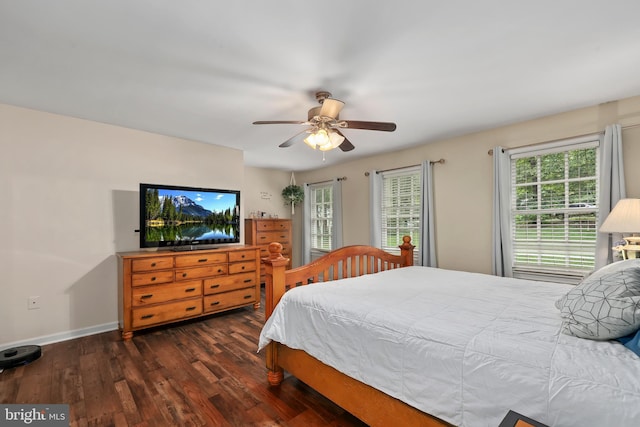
[205, 70]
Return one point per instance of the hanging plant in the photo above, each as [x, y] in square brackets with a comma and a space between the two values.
[293, 194]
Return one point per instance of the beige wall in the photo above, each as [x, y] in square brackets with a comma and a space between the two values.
[263, 191]
[463, 185]
[68, 202]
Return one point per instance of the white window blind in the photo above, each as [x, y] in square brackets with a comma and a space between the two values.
[401, 209]
[554, 208]
[321, 216]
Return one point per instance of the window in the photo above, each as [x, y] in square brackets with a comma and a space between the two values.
[401, 204]
[554, 210]
[321, 216]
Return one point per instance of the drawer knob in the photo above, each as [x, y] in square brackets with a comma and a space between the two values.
[190, 289]
[203, 260]
[242, 256]
[248, 280]
[215, 303]
[184, 274]
[248, 296]
[219, 270]
[153, 279]
[147, 316]
[153, 264]
[190, 308]
[147, 296]
[214, 286]
[243, 267]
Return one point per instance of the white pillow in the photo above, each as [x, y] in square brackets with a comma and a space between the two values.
[605, 305]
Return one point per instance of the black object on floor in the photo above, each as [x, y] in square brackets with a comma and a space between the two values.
[22, 355]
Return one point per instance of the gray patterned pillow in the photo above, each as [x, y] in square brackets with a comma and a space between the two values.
[605, 305]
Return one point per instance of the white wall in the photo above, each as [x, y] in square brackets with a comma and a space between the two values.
[69, 202]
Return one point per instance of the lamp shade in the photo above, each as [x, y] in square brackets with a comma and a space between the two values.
[324, 140]
[331, 108]
[624, 217]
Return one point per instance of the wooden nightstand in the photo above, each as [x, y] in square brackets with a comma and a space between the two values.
[514, 419]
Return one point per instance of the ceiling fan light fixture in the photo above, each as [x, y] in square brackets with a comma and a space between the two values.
[335, 140]
[324, 126]
[317, 138]
[324, 140]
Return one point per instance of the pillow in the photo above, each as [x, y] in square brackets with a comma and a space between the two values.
[632, 342]
[605, 305]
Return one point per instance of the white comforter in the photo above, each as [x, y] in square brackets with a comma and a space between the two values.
[464, 347]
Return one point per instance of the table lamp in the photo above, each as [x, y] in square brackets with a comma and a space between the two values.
[624, 218]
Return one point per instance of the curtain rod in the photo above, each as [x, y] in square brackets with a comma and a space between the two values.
[490, 152]
[441, 161]
[343, 178]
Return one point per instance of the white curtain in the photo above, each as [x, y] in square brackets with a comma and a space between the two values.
[306, 226]
[502, 251]
[336, 220]
[427, 225]
[612, 189]
[375, 209]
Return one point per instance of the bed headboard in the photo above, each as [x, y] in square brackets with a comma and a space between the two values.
[345, 262]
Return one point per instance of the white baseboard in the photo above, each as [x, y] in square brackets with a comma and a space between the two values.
[64, 336]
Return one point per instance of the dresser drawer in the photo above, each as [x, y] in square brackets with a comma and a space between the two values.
[166, 312]
[201, 259]
[200, 272]
[139, 279]
[272, 225]
[242, 256]
[242, 267]
[147, 295]
[264, 238]
[229, 283]
[229, 299]
[151, 264]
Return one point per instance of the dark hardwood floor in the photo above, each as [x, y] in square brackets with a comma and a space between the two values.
[201, 373]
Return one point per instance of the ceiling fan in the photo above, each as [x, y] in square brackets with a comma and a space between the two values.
[325, 125]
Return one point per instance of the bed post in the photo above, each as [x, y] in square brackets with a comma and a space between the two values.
[275, 287]
[406, 251]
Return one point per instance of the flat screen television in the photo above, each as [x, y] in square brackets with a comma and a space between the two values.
[188, 217]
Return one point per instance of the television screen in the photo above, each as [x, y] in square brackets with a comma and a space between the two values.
[187, 216]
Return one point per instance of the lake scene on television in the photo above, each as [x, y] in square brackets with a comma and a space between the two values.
[181, 216]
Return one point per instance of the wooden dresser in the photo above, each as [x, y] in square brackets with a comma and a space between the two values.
[157, 288]
[261, 232]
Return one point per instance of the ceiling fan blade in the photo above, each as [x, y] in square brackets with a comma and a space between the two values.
[355, 124]
[331, 108]
[297, 137]
[280, 122]
[346, 144]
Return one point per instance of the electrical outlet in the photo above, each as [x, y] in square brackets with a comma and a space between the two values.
[33, 303]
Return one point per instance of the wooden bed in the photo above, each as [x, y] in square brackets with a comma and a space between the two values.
[368, 404]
